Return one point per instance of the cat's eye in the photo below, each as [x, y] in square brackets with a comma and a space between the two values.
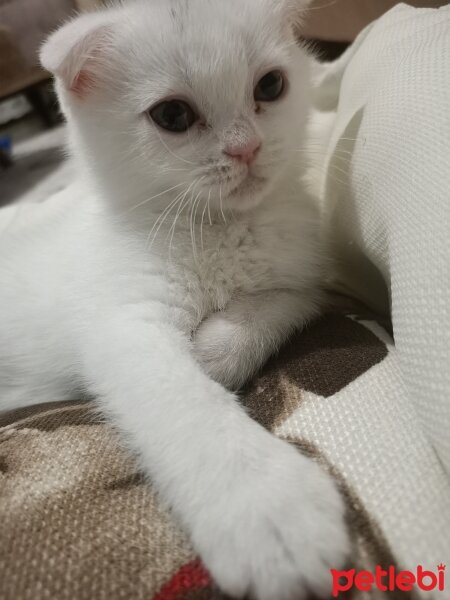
[173, 115]
[270, 87]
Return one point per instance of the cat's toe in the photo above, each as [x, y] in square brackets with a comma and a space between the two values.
[284, 542]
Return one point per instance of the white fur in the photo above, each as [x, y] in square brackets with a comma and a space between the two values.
[150, 284]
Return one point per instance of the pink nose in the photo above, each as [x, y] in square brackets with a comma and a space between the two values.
[245, 153]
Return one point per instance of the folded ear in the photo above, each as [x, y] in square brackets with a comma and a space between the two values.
[76, 52]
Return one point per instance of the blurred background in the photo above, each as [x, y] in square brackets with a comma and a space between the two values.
[31, 134]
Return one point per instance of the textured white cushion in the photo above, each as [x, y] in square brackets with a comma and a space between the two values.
[386, 193]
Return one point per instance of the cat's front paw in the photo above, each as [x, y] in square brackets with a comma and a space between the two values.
[226, 352]
[277, 535]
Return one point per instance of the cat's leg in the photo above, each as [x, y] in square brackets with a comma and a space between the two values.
[234, 343]
[266, 520]
[12, 398]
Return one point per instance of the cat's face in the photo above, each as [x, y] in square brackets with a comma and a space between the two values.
[207, 97]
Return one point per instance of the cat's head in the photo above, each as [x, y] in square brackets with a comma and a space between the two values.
[206, 97]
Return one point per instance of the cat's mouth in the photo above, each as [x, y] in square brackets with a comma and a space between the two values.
[249, 185]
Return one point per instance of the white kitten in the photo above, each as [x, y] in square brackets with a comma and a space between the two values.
[175, 266]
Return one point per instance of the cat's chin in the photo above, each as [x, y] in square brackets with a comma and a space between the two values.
[248, 194]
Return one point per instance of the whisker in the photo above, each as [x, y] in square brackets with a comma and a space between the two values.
[191, 187]
[346, 173]
[346, 139]
[221, 204]
[193, 213]
[181, 207]
[161, 219]
[209, 211]
[156, 196]
[201, 222]
[310, 8]
[332, 176]
[320, 148]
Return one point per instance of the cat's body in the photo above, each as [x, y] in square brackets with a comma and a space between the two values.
[68, 259]
[174, 269]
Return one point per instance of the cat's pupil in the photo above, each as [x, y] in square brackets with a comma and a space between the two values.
[270, 87]
[173, 115]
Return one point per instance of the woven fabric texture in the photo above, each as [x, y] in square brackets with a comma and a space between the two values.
[80, 523]
[387, 190]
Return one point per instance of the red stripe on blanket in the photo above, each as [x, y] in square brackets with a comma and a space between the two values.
[192, 576]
